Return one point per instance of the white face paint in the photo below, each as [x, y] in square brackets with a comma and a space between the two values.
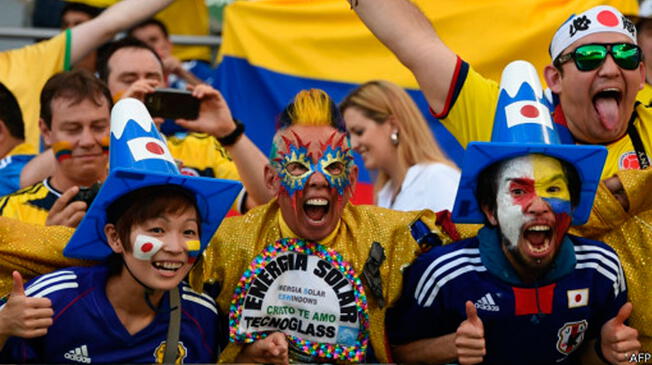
[510, 215]
[145, 247]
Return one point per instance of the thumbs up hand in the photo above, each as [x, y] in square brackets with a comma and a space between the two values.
[24, 316]
[619, 341]
[469, 338]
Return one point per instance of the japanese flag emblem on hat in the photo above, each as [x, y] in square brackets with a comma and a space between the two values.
[139, 158]
[523, 126]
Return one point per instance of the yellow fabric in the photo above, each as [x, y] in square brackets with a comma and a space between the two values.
[182, 17]
[30, 205]
[24, 71]
[22, 149]
[204, 154]
[32, 250]
[630, 235]
[240, 239]
[471, 117]
[324, 39]
[468, 121]
[645, 95]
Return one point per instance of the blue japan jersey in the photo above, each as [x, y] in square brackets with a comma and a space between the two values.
[87, 330]
[542, 323]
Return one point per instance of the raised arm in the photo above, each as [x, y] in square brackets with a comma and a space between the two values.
[406, 31]
[93, 33]
[215, 119]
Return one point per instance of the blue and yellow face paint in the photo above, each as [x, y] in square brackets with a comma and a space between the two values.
[295, 166]
[551, 183]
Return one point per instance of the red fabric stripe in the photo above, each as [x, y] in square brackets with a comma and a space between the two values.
[525, 300]
[71, 303]
[451, 91]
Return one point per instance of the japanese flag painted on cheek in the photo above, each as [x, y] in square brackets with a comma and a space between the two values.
[520, 181]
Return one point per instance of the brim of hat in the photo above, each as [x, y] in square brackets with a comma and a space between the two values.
[214, 198]
[587, 160]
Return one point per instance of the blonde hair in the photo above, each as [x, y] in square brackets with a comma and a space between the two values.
[379, 100]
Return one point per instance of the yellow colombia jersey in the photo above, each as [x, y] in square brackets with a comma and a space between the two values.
[645, 95]
[25, 70]
[468, 120]
[202, 155]
[31, 204]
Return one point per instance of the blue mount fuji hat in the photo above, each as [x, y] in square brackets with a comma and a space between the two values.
[523, 126]
[139, 158]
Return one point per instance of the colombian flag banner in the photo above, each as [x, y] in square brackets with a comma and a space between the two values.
[271, 49]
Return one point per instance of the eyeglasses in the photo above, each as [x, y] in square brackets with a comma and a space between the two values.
[588, 57]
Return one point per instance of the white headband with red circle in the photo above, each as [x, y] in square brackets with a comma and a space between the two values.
[598, 19]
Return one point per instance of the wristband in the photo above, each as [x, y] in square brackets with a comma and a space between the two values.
[232, 137]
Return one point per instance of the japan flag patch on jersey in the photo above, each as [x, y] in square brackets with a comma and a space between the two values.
[147, 147]
[527, 111]
[578, 298]
[146, 247]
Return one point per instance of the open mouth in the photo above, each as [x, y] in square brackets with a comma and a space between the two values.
[170, 266]
[606, 104]
[539, 239]
[316, 209]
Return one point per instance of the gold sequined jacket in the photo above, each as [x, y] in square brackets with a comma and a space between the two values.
[630, 235]
[240, 239]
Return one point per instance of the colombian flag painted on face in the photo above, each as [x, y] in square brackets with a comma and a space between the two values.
[551, 184]
[62, 150]
[271, 49]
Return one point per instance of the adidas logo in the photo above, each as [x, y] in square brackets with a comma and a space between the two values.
[487, 303]
[78, 354]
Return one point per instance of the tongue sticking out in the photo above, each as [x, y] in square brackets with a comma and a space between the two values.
[607, 109]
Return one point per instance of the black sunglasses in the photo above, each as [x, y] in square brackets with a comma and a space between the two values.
[588, 57]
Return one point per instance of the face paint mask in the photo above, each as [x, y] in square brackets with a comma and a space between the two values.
[520, 181]
[145, 247]
[296, 165]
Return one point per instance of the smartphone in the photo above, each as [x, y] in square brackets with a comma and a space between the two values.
[86, 194]
[172, 104]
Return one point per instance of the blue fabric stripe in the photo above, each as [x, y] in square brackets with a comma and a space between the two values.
[257, 95]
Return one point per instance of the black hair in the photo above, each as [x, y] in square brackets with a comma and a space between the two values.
[148, 22]
[10, 113]
[77, 85]
[109, 49]
[92, 11]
